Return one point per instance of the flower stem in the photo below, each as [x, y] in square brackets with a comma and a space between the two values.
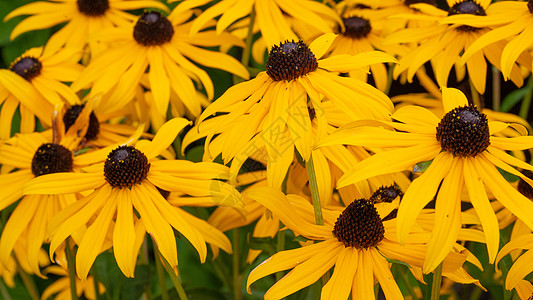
[314, 190]
[94, 273]
[526, 102]
[160, 273]
[174, 278]
[236, 264]
[496, 89]
[3, 291]
[437, 280]
[71, 270]
[475, 95]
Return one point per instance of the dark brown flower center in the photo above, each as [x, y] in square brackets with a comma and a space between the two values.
[125, 166]
[290, 60]
[27, 67]
[93, 8]
[523, 187]
[464, 131]
[530, 6]
[359, 226]
[71, 116]
[51, 158]
[356, 27]
[467, 7]
[153, 29]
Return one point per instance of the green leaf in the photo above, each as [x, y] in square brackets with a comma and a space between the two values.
[300, 239]
[422, 166]
[24, 42]
[514, 97]
[265, 244]
[508, 176]
[133, 288]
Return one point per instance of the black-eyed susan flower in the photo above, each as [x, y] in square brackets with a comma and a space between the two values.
[464, 152]
[47, 70]
[33, 155]
[164, 45]
[510, 20]
[316, 15]
[361, 33]
[127, 178]
[82, 18]
[16, 92]
[442, 44]
[354, 240]
[278, 108]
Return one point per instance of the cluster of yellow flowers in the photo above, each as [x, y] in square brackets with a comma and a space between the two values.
[344, 149]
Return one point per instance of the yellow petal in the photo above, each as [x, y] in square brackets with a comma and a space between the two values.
[321, 44]
[124, 234]
[64, 183]
[340, 283]
[452, 98]
[363, 282]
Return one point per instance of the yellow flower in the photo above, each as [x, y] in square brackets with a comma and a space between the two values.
[83, 18]
[354, 239]
[464, 151]
[164, 45]
[33, 155]
[273, 110]
[443, 44]
[271, 16]
[510, 20]
[132, 177]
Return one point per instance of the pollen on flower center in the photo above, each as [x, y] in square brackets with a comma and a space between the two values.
[359, 226]
[464, 132]
[93, 8]
[153, 29]
[125, 166]
[290, 60]
[27, 67]
[72, 114]
[467, 7]
[356, 27]
[51, 158]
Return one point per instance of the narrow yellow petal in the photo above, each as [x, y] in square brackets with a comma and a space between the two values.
[384, 276]
[64, 183]
[363, 281]
[521, 267]
[94, 237]
[452, 98]
[124, 234]
[447, 217]
[481, 203]
[305, 273]
[340, 283]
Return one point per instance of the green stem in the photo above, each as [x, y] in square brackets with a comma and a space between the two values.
[145, 260]
[390, 71]
[160, 273]
[222, 272]
[437, 280]
[247, 51]
[475, 95]
[408, 284]
[71, 262]
[3, 291]
[94, 273]
[236, 264]
[174, 278]
[526, 102]
[314, 190]
[496, 89]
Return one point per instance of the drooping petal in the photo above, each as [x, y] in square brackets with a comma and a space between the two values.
[340, 283]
